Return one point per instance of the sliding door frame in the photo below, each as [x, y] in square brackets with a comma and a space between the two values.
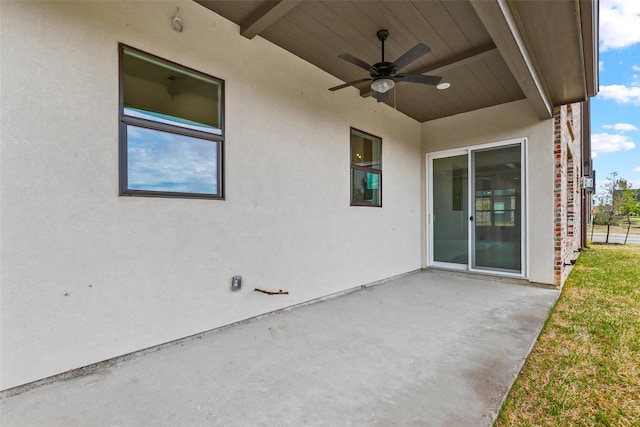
[524, 203]
[430, 209]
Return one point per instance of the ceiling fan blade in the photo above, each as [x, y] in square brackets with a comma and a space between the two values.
[355, 82]
[411, 55]
[355, 61]
[418, 78]
[381, 97]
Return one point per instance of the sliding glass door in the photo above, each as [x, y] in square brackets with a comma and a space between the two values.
[476, 209]
[451, 211]
[497, 201]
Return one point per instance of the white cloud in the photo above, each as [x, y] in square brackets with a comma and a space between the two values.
[600, 66]
[610, 143]
[635, 67]
[621, 127]
[620, 93]
[619, 23]
[637, 169]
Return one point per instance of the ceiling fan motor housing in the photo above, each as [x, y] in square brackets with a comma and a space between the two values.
[383, 69]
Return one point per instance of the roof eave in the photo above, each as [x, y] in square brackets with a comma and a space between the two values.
[589, 20]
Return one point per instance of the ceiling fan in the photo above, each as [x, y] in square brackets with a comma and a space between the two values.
[384, 75]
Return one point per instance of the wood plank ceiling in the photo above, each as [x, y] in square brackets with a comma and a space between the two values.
[463, 52]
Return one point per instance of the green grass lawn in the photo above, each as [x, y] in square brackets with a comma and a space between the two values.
[585, 368]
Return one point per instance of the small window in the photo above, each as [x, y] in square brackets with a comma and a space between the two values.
[171, 129]
[366, 169]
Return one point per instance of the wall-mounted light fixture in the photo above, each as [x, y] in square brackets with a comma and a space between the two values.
[176, 23]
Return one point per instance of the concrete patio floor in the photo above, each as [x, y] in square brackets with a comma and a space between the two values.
[427, 349]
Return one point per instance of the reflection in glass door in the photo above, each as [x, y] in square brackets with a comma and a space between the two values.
[497, 216]
[451, 210]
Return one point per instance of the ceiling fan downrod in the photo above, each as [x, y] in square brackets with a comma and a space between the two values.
[382, 36]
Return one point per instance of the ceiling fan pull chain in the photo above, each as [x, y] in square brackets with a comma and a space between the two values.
[395, 98]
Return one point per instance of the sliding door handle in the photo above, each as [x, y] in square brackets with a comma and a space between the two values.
[470, 218]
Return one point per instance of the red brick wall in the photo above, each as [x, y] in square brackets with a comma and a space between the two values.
[567, 199]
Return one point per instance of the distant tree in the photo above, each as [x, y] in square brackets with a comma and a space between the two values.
[630, 206]
[611, 201]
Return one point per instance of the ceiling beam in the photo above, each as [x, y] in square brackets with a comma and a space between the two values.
[266, 16]
[501, 26]
[460, 60]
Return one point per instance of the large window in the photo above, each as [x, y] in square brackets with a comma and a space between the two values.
[366, 169]
[171, 129]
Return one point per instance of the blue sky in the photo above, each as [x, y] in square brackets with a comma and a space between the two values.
[615, 117]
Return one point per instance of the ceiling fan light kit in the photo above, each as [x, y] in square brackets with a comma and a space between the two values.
[384, 75]
[382, 85]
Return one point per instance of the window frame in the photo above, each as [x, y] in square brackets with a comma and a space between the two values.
[124, 121]
[366, 169]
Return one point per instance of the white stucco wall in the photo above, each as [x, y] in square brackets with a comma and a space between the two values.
[87, 275]
[505, 122]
